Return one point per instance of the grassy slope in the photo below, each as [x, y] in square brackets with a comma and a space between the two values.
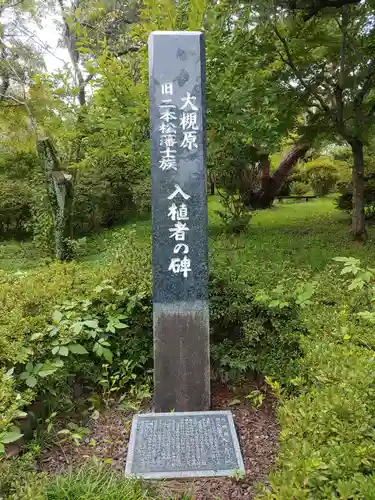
[288, 236]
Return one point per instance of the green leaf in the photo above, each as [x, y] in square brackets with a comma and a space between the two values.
[77, 327]
[91, 323]
[64, 431]
[346, 270]
[107, 354]
[77, 349]
[20, 414]
[47, 369]
[2, 449]
[31, 381]
[57, 316]
[58, 362]
[13, 435]
[36, 335]
[63, 351]
[234, 402]
[55, 350]
[120, 325]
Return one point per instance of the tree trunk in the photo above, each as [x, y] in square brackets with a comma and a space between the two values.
[358, 214]
[265, 165]
[61, 196]
[265, 197]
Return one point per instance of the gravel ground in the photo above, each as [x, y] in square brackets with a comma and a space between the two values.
[257, 430]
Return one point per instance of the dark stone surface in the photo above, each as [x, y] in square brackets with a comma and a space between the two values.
[179, 201]
[178, 58]
[184, 444]
[181, 357]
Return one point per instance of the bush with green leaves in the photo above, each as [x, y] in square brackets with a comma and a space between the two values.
[323, 174]
[327, 445]
[109, 327]
[236, 216]
[12, 403]
[253, 331]
[51, 340]
[15, 207]
[345, 200]
[299, 188]
[19, 479]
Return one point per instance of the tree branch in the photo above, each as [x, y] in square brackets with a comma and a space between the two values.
[4, 97]
[368, 83]
[127, 51]
[316, 6]
[71, 44]
[339, 89]
[289, 61]
[7, 5]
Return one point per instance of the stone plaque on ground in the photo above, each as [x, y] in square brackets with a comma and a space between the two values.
[179, 221]
[188, 444]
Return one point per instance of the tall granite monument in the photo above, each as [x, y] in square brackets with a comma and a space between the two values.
[179, 221]
[188, 442]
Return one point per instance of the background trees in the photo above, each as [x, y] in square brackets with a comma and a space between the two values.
[283, 78]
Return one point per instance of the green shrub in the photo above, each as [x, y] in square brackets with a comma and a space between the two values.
[107, 326]
[322, 174]
[327, 448]
[327, 445]
[236, 216]
[12, 403]
[15, 207]
[253, 331]
[18, 164]
[19, 479]
[27, 301]
[50, 339]
[345, 200]
[299, 188]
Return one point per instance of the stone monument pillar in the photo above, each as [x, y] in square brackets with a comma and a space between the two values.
[179, 221]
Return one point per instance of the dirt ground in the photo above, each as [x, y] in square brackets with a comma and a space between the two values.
[257, 431]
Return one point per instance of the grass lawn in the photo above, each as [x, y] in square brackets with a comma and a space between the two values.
[290, 235]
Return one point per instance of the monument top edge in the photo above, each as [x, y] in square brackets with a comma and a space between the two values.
[185, 413]
[153, 33]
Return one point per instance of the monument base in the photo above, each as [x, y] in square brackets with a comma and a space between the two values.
[181, 357]
[183, 444]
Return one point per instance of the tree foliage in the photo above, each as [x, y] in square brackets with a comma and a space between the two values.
[281, 76]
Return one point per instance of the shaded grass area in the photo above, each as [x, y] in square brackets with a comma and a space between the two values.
[290, 235]
[15, 255]
[286, 239]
